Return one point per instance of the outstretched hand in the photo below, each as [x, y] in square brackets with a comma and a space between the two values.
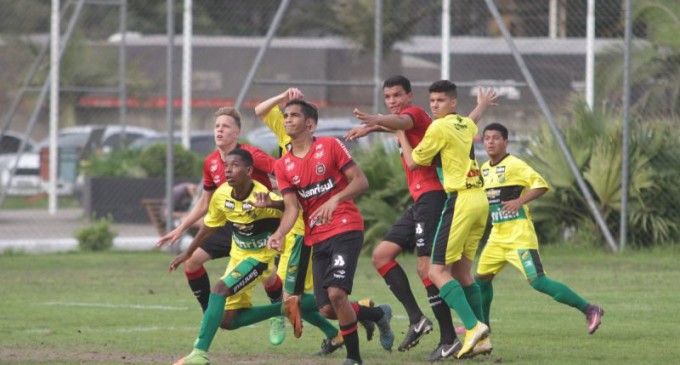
[262, 200]
[486, 96]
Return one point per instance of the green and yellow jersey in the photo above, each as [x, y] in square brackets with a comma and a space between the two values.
[274, 120]
[449, 142]
[251, 226]
[504, 181]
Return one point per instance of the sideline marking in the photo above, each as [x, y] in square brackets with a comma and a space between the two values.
[105, 305]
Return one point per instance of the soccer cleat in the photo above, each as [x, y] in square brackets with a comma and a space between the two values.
[291, 309]
[277, 330]
[352, 362]
[445, 350]
[369, 326]
[594, 318]
[196, 357]
[415, 333]
[386, 335]
[472, 336]
[329, 345]
[483, 347]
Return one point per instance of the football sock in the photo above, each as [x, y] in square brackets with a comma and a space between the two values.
[317, 320]
[349, 334]
[442, 312]
[474, 298]
[274, 291]
[486, 291]
[454, 297]
[397, 281]
[248, 316]
[367, 313]
[212, 318]
[200, 286]
[559, 292]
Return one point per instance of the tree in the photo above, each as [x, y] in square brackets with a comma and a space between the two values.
[595, 141]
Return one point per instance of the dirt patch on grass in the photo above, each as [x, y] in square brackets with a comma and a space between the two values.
[44, 355]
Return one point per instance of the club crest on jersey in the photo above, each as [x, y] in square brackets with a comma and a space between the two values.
[320, 169]
[229, 204]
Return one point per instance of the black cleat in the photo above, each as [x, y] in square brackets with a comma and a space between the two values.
[415, 333]
[445, 350]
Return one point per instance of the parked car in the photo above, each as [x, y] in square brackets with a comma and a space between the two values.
[265, 139]
[202, 143]
[11, 141]
[26, 178]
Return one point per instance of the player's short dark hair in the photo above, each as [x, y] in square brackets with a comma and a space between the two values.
[444, 86]
[230, 112]
[308, 109]
[398, 80]
[245, 156]
[497, 127]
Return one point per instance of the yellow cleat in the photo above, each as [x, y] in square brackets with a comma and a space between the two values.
[483, 347]
[196, 357]
[472, 337]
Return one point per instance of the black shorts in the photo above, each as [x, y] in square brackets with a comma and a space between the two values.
[418, 226]
[218, 245]
[334, 262]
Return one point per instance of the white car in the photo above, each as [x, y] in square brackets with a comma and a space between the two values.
[26, 179]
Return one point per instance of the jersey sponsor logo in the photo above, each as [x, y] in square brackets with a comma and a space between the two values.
[338, 261]
[500, 169]
[245, 281]
[320, 169]
[292, 269]
[229, 204]
[419, 228]
[247, 206]
[314, 190]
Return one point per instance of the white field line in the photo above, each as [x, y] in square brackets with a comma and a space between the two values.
[106, 305]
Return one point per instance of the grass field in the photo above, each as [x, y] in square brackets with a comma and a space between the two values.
[124, 308]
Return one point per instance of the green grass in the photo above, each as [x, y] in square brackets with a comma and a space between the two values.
[37, 201]
[98, 308]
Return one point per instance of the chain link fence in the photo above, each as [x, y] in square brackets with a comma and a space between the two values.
[328, 49]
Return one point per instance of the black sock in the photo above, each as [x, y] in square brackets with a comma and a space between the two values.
[397, 281]
[447, 333]
[200, 286]
[349, 334]
[367, 313]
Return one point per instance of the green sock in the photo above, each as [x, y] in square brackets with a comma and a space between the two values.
[454, 297]
[212, 318]
[248, 316]
[307, 303]
[486, 292]
[559, 292]
[317, 320]
[474, 298]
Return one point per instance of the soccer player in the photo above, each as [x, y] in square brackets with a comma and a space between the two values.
[449, 143]
[226, 132]
[318, 174]
[295, 257]
[253, 213]
[417, 227]
[510, 184]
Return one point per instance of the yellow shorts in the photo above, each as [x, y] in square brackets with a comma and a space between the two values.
[290, 275]
[244, 271]
[495, 256]
[461, 226]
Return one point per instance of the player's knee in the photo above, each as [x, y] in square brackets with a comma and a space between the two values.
[538, 283]
[337, 296]
[423, 268]
[221, 288]
[328, 312]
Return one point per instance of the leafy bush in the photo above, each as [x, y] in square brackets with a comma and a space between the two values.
[387, 197]
[119, 163]
[153, 161]
[97, 237]
[595, 140]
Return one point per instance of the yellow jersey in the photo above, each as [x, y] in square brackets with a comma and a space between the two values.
[504, 181]
[448, 142]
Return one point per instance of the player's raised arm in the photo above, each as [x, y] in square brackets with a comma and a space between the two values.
[264, 107]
